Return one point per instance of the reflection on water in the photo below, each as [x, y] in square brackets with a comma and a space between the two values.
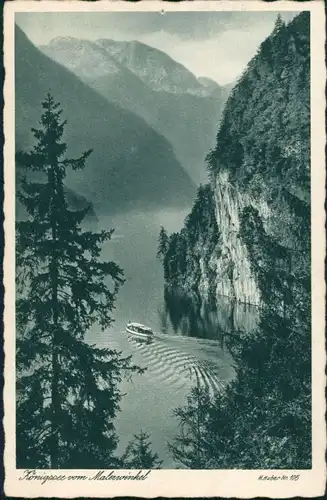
[143, 297]
[189, 315]
[188, 348]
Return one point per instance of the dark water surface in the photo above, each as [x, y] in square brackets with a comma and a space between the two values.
[188, 347]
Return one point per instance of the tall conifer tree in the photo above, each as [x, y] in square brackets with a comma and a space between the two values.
[138, 454]
[163, 243]
[67, 390]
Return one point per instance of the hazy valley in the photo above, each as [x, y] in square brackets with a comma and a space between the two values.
[132, 167]
[146, 81]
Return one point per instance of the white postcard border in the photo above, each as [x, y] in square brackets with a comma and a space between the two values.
[176, 483]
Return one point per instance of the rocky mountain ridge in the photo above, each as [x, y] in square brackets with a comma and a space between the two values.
[89, 60]
[105, 56]
[146, 81]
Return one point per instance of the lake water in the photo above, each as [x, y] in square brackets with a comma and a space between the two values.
[188, 347]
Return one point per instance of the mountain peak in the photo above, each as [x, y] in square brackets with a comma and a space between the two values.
[92, 59]
[154, 67]
[63, 39]
[132, 166]
[84, 57]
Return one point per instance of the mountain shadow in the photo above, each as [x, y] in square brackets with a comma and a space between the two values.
[183, 108]
[131, 167]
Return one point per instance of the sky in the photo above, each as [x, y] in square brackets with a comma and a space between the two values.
[213, 44]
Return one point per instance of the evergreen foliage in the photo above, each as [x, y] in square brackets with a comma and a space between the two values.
[182, 252]
[67, 390]
[264, 135]
[190, 447]
[138, 454]
[263, 419]
[162, 243]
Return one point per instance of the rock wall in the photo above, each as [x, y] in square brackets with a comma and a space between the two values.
[233, 272]
[260, 180]
[226, 271]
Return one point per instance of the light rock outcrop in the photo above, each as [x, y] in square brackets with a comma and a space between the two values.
[234, 277]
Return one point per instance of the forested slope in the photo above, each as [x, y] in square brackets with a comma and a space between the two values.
[260, 165]
[260, 193]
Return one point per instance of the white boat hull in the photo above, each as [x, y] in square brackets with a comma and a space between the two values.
[147, 336]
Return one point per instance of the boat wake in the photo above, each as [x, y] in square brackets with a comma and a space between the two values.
[174, 361]
[167, 362]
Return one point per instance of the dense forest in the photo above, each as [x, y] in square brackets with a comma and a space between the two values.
[189, 254]
[259, 232]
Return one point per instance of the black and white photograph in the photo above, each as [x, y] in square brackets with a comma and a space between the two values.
[166, 181]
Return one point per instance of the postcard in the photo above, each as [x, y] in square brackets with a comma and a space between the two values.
[164, 249]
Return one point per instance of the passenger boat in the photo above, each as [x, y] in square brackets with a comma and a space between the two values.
[139, 330]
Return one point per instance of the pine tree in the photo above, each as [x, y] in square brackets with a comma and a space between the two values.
[279, 25]
[192, 447]
[279, 44]
[183, 253]
[138, 454]
[262, 420]
[163, 241]
[67, 390]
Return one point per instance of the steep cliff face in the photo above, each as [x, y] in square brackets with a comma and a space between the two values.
[261, 161]
[234, 277]
[260, 176]
[218, 261]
